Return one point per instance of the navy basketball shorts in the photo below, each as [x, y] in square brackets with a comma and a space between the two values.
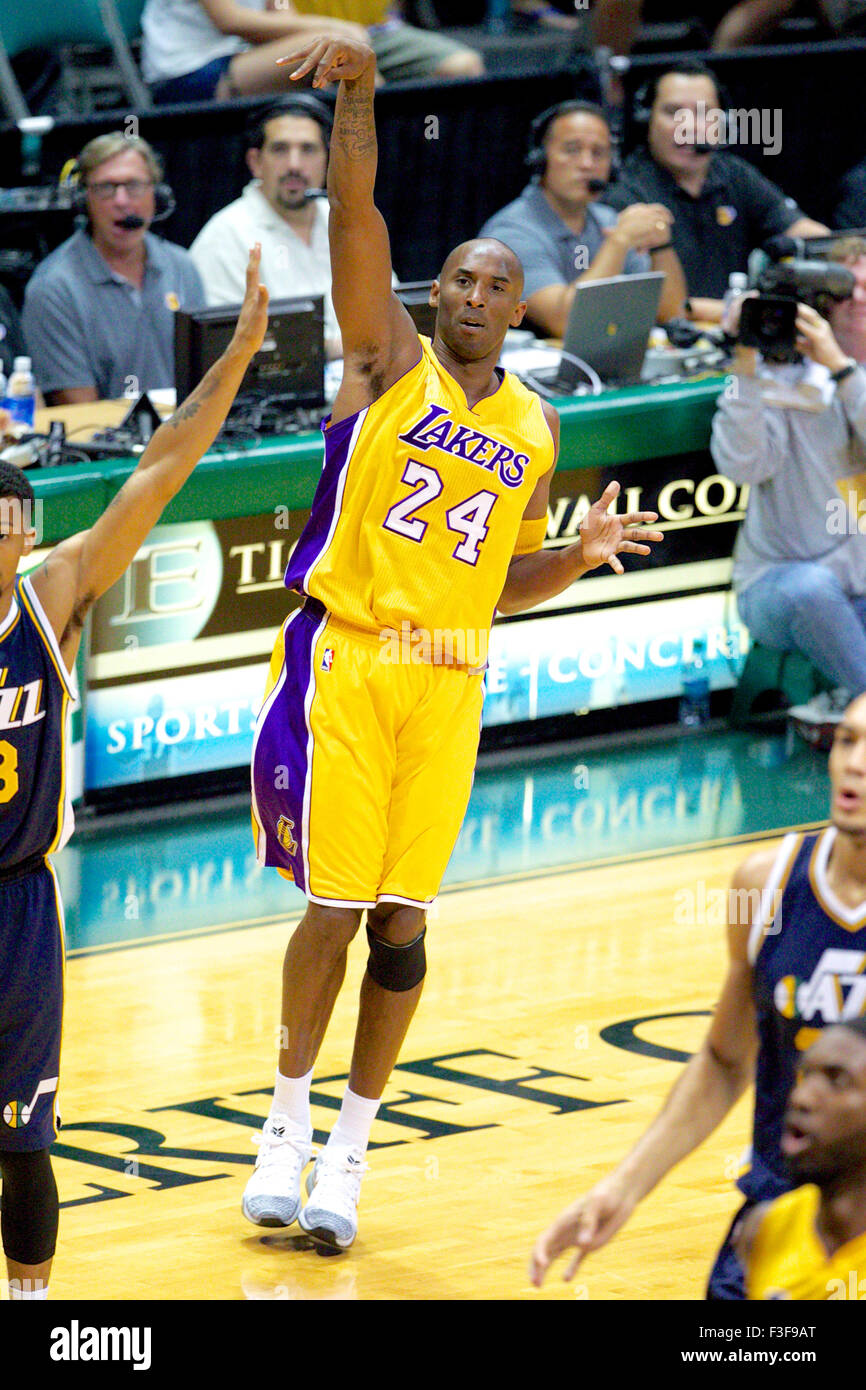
[31, 1009]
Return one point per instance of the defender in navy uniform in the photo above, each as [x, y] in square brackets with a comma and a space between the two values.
[41, 618]
[797, 944]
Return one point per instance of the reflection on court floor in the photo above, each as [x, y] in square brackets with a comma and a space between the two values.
[196, 871]
[558, 1008]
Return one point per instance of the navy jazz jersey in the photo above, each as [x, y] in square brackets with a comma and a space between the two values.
[36, 696]
[808, 955]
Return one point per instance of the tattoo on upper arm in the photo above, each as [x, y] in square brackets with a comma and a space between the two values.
[192, 405]
[355, 129]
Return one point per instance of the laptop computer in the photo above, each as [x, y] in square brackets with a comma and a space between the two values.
[609, 327]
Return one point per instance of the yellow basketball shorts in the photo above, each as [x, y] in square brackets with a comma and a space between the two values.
[362, 766]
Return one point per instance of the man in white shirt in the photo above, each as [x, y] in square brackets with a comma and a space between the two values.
[288, 156]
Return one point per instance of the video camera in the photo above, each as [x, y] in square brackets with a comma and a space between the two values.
[790, 271]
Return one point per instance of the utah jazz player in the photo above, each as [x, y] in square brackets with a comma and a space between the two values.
[430, 514]
[41, 617]
[797, 943]
[811, 1242]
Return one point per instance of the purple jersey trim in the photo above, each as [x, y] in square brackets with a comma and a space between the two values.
[283, 751]
[316, 536]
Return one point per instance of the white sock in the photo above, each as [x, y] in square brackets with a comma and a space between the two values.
[25, 1292]
[354, 1122]
[292, 1098]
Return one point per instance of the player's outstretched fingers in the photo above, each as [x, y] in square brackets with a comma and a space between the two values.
[574, 1226]
[303, 60]
[332, 59]
[611, 491]
[254, 261]
[641, 519]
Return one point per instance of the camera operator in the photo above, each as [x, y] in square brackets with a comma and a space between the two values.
[799, 576]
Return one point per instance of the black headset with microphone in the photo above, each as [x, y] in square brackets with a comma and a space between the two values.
[536, 157]
[71, 180]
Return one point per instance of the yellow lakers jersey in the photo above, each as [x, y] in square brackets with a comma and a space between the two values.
[788, 1260]
[418, 509]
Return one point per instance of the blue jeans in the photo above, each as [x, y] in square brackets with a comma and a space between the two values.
[803, 607]
[199, 85]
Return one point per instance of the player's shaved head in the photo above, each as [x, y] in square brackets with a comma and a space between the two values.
[478, 297]
[502, 261]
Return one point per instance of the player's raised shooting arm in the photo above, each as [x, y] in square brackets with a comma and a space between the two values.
[84, 566]
[545, 573]
[379, 339]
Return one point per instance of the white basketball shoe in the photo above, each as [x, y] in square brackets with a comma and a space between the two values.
[334, 1187]
[272, 1196]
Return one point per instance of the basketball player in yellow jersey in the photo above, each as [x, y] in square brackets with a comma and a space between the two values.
[430, 515]
[811, 1243]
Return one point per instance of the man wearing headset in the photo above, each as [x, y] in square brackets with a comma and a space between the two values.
[99, 311]
[721, 206]
[287, 155]
[564, 236]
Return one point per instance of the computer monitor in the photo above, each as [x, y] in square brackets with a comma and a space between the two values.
[289, 366]
[415, 296]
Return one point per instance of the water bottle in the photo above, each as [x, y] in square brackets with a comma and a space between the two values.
[738, 284]
[20, 398]
[695, 701]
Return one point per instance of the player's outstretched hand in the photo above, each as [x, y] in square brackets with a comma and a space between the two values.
[604, 535]
[330, 60]
[584, 1226]
[253, 318]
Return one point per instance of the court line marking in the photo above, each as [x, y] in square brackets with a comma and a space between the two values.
[472, 885]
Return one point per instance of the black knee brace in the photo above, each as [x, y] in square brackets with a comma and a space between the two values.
[30, 1207]
[397, 968]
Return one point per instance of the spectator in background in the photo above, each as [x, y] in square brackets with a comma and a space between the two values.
[565, 237]
[615, 23]
[287, 156]
[99, 311]
[721, 205]
[851, 204]
[754, 20]
[800, 575]
[12, 343]
[198, 50]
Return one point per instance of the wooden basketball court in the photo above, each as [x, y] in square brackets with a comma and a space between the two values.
[557, 1012]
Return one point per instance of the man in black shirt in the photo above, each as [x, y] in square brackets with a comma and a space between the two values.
[851, 198]
[722, 206]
